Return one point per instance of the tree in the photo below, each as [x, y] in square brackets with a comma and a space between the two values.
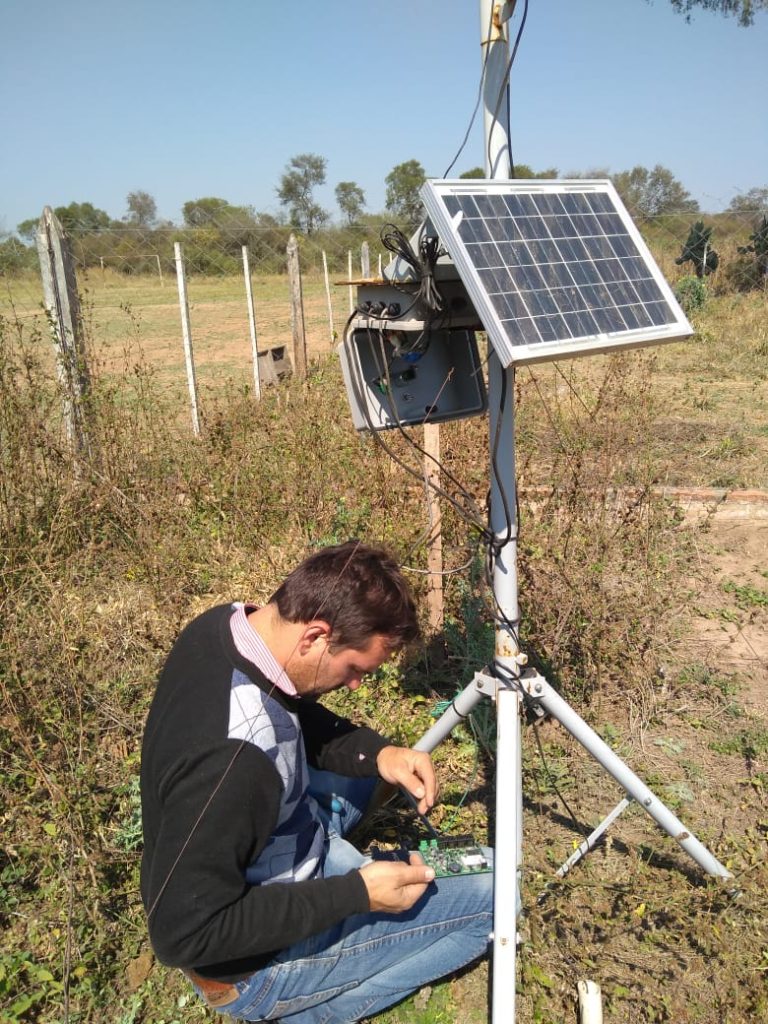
[351, 200]
[591, 174]
[28, 228]
[14, 256]
[296, 191]
[82, 218]
[652, 193]
[402, 197]
[520, 171]
[142, 209]
[525, 171]
[212, 211]
[758, 247]
[743, 10]
[698, 251]
[76, 219]
[750, 204]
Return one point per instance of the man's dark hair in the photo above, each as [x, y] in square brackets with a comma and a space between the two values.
[359, 590]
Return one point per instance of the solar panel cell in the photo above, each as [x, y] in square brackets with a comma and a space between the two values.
[553, 268]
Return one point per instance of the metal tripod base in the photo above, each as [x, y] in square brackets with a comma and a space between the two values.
[531, 689]
[539, 692]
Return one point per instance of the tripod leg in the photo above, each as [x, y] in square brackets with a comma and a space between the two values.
[460, 708]
[536, 687]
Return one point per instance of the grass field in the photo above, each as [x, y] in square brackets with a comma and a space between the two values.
[649, 619]
[121, 310]
[711, 393]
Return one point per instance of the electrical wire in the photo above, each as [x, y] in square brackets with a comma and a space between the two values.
[469, 513]
[423, 263]
[550, 778]
[477, 101]
[504, 93]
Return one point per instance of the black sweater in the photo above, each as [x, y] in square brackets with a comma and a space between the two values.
[210, 804]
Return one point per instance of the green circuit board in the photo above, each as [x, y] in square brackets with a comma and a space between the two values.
[453, 856]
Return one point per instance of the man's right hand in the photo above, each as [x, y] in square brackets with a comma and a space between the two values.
[393, 886]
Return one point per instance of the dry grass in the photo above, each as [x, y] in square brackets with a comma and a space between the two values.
[101, 566]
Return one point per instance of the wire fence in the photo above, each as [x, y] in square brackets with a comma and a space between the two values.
[128, 283]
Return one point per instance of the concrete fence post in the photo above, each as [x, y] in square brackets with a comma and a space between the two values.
[57, 269]
[297, 310]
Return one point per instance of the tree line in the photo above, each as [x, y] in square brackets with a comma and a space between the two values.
[214, 230]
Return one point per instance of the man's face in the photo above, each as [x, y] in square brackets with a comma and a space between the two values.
[323, 668]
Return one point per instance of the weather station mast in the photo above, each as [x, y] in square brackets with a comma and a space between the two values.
[508, 658]
[548, 269]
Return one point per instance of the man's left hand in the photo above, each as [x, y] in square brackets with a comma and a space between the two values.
[411, 769]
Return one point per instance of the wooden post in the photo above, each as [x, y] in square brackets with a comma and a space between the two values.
[435, 540]
[57, 269]
[297, 310]
[252, 324]
[159, 268]
[181, 280]
[365, 260]
[328, 298]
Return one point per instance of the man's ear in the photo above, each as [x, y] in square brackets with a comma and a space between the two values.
[318, 631]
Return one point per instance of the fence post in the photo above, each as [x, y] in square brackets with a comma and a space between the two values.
[328, 298]
[365, 260]
[435, 539]
[181, 280]
[252, 324]
[57, 269]
[297, 310]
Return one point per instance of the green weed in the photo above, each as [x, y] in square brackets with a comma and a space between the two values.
[750, 743]
[746, 596]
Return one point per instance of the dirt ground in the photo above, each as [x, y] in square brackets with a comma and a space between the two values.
[732, 541]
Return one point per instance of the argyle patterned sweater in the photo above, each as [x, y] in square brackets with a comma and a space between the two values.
[232, 870]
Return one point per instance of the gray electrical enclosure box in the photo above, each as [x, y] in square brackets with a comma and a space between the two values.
[405, 378]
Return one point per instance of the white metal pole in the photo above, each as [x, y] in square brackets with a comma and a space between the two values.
[252, 324]
[349, 278]
[181, 280]
[328, 298]
[590, 1003]
[507, 863]
[501, 387]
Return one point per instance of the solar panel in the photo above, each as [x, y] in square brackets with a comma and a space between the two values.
[554, 268]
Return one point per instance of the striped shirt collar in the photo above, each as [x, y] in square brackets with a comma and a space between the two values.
[251, 646]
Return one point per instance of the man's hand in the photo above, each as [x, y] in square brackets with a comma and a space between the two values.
[393, 886]
[411, 769]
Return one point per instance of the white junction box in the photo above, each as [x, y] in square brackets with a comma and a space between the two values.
[406, 378]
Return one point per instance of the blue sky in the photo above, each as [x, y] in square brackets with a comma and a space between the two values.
[213, 97]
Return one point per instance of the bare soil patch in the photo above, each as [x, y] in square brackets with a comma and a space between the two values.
[730, 625]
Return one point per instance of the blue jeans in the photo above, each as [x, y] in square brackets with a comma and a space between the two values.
[370, 961]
